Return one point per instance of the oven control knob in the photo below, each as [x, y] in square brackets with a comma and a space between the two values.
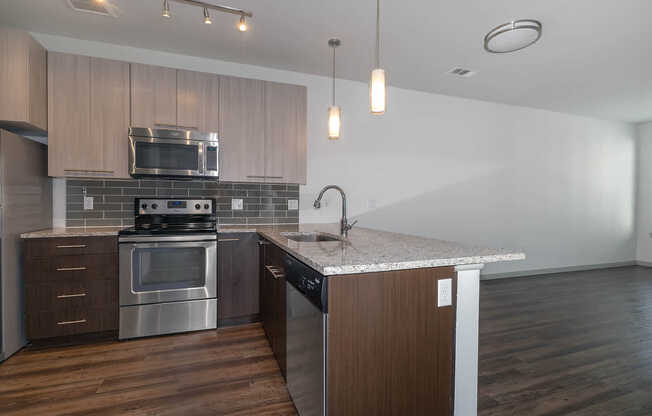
[206, 206]
[144, 206]
[154, 206]
[197, 206]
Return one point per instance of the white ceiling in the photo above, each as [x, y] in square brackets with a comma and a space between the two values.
[594, 57]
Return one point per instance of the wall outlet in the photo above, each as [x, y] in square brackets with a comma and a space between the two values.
[444, 292]
[88, 203]
[236, 204]
[293, 204]
[372, 204]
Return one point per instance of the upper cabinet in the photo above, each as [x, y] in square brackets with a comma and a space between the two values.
[242, 130]
[153, 96]
[92, 102]
[197, 101]
[285, 133]
[23, 88]
[170, 98]
[88, 116]
[262, 131]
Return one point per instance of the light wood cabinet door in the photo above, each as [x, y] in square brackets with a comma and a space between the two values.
[153, 96]
[23, 75]
[197, 101]
[72, 150]
[109, 115]
[285, 133]
[242, 130]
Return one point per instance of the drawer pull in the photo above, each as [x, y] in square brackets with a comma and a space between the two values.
[73, 246]
[71, 269]
[76, 295]
[275, 271]
[81, 321]
[226, 240]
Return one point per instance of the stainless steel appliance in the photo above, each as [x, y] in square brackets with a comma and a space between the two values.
[168, 268]
[25, 205]
[307, 327]
[175, 153]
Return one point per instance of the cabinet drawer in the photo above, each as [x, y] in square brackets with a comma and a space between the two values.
[48, 247]
[60, 268]
[71, 293]
[71, 321]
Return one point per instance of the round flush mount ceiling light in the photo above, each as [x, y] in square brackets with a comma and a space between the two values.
[513, 36]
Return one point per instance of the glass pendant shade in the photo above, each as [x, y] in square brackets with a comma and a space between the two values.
[378, 92]
[334, 122]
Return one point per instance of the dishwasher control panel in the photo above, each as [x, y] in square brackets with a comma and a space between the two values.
[312, 284]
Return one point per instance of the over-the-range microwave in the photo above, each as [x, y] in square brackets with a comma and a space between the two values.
[173, 153]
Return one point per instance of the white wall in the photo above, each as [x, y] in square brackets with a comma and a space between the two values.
[559, 187]
[644, 200]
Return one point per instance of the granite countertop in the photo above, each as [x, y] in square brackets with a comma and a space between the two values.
[73, 232]
[368, 250]
[111, 231]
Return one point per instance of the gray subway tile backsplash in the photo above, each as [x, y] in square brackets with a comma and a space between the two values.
[113, 203]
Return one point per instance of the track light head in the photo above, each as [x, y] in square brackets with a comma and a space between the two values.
[166, 9]
[207, 17]
[242, 26]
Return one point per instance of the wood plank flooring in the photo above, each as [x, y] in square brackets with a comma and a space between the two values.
[225, 372]
[567, 344]
[575, 344]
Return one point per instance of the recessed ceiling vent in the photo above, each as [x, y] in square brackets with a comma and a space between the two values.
[462, 72]
[101, 7]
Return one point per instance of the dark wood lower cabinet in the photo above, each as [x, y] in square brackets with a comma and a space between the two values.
[390, 348]
[71, 286]
[237, 276]
[272, 301]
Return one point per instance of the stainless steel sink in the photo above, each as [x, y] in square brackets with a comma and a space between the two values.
[310, 237]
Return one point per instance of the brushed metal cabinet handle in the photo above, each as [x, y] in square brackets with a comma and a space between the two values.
[88, 171]
[275, 271]
[256, 176]
[71, 269]
[226, 240]
[76, 295]
[73, 246]
[81, 321]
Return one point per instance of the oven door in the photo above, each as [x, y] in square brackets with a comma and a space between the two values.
[165, 157]
[167, 271]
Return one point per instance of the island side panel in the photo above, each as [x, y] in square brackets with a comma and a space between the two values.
[390, 348]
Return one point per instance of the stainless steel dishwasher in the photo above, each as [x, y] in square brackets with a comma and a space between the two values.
[307, 325]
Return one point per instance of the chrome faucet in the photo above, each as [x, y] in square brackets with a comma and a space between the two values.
[344, 223]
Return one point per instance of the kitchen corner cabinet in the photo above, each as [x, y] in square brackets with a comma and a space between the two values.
[238, 281]
[262, 131]
[273, 301]
[170, 98]
[88, 117]
[23, 77]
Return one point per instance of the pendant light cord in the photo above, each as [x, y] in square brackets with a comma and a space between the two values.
[333, 76]
[377, 33]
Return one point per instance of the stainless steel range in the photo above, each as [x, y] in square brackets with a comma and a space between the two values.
[168, 268]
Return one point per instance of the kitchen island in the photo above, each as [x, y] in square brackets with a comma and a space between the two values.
[400, 319]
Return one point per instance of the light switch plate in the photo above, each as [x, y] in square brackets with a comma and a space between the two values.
[444, 292]
[293, 204]
[88, 203]
[236, 204]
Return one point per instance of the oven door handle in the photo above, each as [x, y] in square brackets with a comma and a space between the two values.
[167, 239]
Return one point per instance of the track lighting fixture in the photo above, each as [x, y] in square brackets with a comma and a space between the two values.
[166, 9]
[242, 25]
[207, 17]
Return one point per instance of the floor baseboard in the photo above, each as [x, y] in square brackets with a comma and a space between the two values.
[552, 270]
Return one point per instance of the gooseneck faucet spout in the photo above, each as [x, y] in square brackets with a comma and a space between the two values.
[344, 223]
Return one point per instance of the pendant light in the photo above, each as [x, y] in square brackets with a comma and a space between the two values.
[378, 85]
[334, 111]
